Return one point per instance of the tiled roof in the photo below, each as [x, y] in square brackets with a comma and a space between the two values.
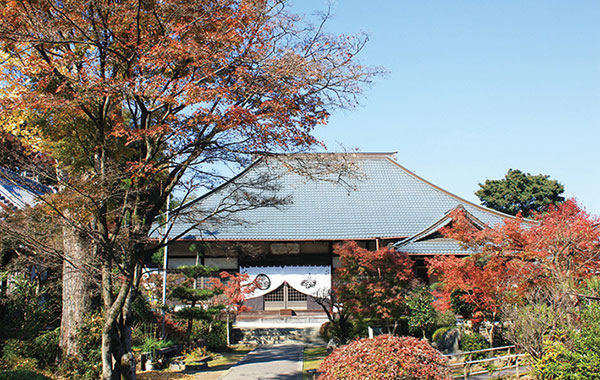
[17, 192]
[381, 200]
[439, 246]
[430, 241]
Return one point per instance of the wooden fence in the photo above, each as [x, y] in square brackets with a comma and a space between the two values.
[469, 367]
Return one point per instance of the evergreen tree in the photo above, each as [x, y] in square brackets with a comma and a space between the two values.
[200, 303]
[521, 192]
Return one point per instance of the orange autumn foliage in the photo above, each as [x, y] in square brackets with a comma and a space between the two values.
[560, 248]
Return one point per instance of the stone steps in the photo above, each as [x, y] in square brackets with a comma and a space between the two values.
[275, 335]
[282, 321]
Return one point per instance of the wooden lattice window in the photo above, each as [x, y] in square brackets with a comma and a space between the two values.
[276, 295]
[295, 296]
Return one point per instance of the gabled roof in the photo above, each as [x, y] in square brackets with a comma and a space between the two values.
[381, 200]
[431, 241]
[17, 192]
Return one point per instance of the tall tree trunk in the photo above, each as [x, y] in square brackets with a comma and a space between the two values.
[117, 357]
[127, 358]
[76, 289]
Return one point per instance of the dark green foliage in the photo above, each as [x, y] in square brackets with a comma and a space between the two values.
[158, 257]
[196, 271]
[422, 315]
[144, 321]
[189, 295]
[355, 328]
[200, 305]
[36, 353]
[474, 342]
[152, 344]
[439, 333]
[45, 347]
[325, 331]
[29, 316]
[40, 351]
[30, 308]
[198, 313]
[213, 334]
[459, 306]
[141, 312]
[22, 375]
[521, 192]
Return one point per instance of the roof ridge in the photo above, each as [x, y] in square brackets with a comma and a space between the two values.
[391, 154]
[456, 197]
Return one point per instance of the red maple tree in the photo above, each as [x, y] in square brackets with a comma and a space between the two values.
[373, 284]
[559, 248]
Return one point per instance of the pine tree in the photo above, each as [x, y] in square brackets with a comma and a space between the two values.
[200, 303]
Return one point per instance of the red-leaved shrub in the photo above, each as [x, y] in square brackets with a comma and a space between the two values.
[385, 357]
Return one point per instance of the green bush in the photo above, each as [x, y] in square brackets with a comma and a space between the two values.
[447, 319]
[152, 344]
[15, 355]
[353, 329]
[325, 331]
[422, 315]
[359, 328]
[459, 305]
[44, 347]
[216, 338]
[30, 308]
[22, 375]
[437, 334]
[212, 335]
[474, 342]
[36, 353]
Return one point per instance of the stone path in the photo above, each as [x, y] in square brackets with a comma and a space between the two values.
[275, 362]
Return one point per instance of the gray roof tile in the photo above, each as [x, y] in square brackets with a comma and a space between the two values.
[385, 201]
[17, 192]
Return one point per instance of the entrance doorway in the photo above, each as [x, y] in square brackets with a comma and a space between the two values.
[285, 297]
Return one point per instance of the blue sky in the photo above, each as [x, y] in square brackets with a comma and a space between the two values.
[477, 87]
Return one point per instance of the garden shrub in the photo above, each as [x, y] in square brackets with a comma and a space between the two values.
[44, 347]
[325, 331]
[36, 353]
[359, 328]
[575, 355]
[216, 338]
[355, 328]
[22, 375]
[459, 305]
[439, 333]
[15, 356]
[474, 342]
[385, 357]
[152, 344]
[422, 315]
[28, 310]
[561, 363]
[212, 335]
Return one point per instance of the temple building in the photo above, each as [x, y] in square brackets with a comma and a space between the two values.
[279, 221]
